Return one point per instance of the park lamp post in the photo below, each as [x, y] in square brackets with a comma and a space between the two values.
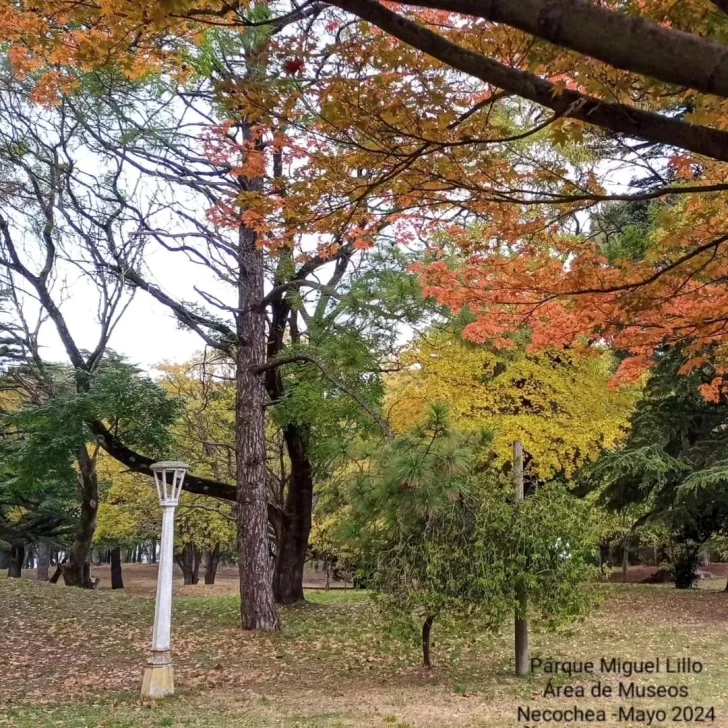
[158, 676]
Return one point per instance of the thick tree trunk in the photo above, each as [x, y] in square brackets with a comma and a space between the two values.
[295, 521]
[117, 580]
[257, 603]
[189, 561]
[75, 572]
[17, 557]
[211, 562]
[426, 633]
[44, 560]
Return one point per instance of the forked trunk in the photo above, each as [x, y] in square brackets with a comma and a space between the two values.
[76, 571]
[211, 564]
[295, 522]
[117, 581]
[188, 561]
[257, 604]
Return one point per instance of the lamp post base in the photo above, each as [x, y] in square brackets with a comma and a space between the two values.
[158, 679]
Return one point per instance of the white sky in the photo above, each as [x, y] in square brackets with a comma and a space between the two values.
[147, 333]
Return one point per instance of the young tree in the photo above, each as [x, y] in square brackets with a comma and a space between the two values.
[439, 535]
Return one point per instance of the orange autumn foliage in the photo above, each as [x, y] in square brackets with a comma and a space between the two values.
[377, 134]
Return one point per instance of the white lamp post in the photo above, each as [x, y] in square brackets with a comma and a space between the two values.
[158, 677]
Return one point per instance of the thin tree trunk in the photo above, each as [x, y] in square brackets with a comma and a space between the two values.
[521, 616]
[257, 603]
[44, 560]
[17, 557]
[211, 562]
[295, 522]
[426, 632]
[625, 559]
[154, 550]
[75, 572]
[117, 580]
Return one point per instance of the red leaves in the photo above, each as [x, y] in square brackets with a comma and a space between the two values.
[293, 66]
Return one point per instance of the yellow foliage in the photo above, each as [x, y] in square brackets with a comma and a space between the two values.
[559, 404]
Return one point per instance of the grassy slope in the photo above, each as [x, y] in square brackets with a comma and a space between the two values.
[72, 658]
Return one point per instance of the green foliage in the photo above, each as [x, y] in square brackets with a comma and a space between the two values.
[438, 535]
[38, 471]
[353, 327]
[673, 464]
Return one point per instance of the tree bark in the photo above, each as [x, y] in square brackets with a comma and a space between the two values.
[117, 580]
[44, 560]
[295, 521]
[257, 603]
[625, 559]
[75, 572]
[211, 563]
[189, 561]
[17, 557]
[426, 632]
[617, 38]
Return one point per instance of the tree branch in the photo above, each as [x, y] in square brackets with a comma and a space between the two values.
[614, 37]
[618, 118]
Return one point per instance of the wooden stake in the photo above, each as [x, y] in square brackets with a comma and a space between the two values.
[521, 627]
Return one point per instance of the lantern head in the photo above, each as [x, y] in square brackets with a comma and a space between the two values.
[168, 477]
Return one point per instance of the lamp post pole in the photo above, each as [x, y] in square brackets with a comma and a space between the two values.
[159, 676]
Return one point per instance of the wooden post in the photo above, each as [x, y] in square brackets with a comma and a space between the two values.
[521, 626]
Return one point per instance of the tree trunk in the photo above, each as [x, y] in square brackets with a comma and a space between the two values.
[426, 632]
[17, 557]
[189, 561]
[44, 560]
[154, 550]
[625, 559]
[4, 559]
[117, 581]
[295, 521]
[75, 572]
[211, 563]
[257, 603]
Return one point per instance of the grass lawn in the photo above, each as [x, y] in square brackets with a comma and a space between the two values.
[73, 658]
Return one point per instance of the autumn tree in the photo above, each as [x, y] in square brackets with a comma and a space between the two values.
[558, 403]
[428, 116]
